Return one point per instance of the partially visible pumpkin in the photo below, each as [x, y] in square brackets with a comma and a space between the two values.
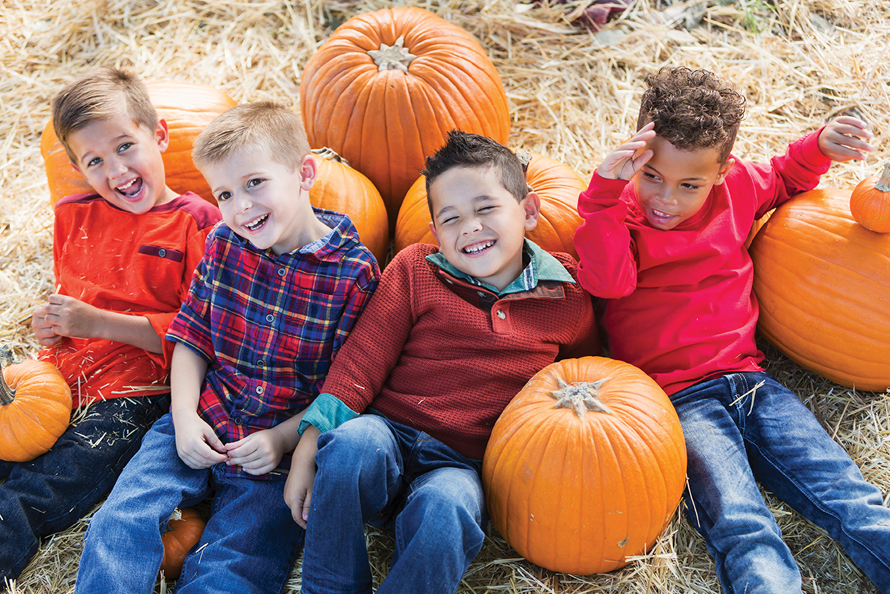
[183, 532]
[870, 202]
[341, 188]
[557, 185]
[757, 226]
[35, 409]
[823, 285]
[585, 466]
[187, 108]
[384, 90]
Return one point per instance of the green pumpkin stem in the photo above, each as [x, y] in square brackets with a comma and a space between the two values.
[581, 397]
[883, 184]
[7, 394]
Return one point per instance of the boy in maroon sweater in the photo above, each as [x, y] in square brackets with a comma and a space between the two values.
[449, 338]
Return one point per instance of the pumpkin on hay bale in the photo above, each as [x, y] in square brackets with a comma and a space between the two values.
[183, 532]
[870, 202]
[822, 281]
[585, 466]
[384, 90]
[557, 185]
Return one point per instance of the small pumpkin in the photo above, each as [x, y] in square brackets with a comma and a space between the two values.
[585, 466]
[35, 409]
[557, 185]
[183, 532]
[187, 108]
[384, 90]
[822, 283]
[341, 188]
[870, 202]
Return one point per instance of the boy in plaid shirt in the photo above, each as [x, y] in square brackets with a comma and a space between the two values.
[279, 288]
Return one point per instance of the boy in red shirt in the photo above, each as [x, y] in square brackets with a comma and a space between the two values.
[123, 258]
[667, 251]
[451, 335]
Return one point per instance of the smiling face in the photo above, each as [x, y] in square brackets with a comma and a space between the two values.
[121, 161]
[264, 201]
[674, 184]
[479, 225]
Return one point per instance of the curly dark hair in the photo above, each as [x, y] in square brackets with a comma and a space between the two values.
[692, 109]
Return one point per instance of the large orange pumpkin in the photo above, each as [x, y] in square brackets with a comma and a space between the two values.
[184, 530]
[187, 108]
[341, 188]
[823, 284]
[870, 202]
[384, 90]
[557, 185]
[585, 466]
[35, 409]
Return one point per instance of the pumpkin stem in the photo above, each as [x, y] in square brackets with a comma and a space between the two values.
[883, 184]
[580, 397]
[392, 57]
[7, 394]
[330, 154]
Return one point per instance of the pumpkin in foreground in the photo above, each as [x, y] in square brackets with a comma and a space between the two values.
[35, 409]
[187, 109]
[184, 530]
[585, 466]
[870, 202]
[557, 185]
[822, 281]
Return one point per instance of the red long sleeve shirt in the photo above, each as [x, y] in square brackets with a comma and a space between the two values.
[681, 305]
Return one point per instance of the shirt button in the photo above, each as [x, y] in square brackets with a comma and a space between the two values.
[270, 318]
[259, 389]
[261, 362]
[500, 313]
[237, 420]
[162, 253]
[282, 272]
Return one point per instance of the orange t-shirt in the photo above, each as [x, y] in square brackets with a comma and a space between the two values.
[127, 263]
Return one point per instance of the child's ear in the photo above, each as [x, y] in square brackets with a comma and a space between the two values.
[162, 134]
[308, 172]
[433, 231]
[724, 169]
[531, 204]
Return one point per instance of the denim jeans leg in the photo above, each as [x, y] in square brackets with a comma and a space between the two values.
[122, 547]
[359, 474]
[795, 458]
[55, 490]
[250, 542]
[723, 501]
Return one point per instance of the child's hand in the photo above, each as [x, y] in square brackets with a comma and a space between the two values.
[196, 442]
[70, 317]
[840, 140]
[43, 330]
[624, 162]
[259, 452]
[298, 490]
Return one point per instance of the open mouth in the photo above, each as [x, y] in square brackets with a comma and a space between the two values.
[131, 189]
[478, 248]
[660, 216]
[256, 223]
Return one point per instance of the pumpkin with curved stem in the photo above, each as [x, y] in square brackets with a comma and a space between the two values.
[184, 531]
[585, 466]
[557, 185]
[870, 202]
[384, 90]
[822, 282]
[35, 409]
[341, 188]
[187, 109]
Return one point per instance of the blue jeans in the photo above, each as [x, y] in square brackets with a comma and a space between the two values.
[53, 491]
[746, 427]
[373, 470]
[249, 545]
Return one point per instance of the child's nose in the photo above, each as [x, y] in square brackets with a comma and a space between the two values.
[471, 225]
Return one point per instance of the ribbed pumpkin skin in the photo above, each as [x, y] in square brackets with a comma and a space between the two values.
[181, 536]
[386, 123]
[39, 413]
[823, 284]
[580, 496]
[341, 188]
[187, 108]
[557, 185]
[870, 202]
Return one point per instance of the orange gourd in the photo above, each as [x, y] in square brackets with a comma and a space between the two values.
[870, 202]
[341, 188]
[557, 185]
[187, 108]
[35, 409]
[585, 466]
[823, 285]
[384, 90]
[183, 532]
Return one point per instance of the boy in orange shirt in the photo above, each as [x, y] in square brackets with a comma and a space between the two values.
[123, 258]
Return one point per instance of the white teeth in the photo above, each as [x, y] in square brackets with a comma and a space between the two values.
[252, 226]
[128, 186]
[478, 248]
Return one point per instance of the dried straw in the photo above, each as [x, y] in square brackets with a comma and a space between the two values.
[573, 96]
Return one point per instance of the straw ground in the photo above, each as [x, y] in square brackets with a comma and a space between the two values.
[573, 96]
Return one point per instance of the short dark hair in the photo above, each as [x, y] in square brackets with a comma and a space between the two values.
[464, 149]
[98, 96]
[692, 109]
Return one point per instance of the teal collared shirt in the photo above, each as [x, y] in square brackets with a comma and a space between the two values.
[541, 267]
